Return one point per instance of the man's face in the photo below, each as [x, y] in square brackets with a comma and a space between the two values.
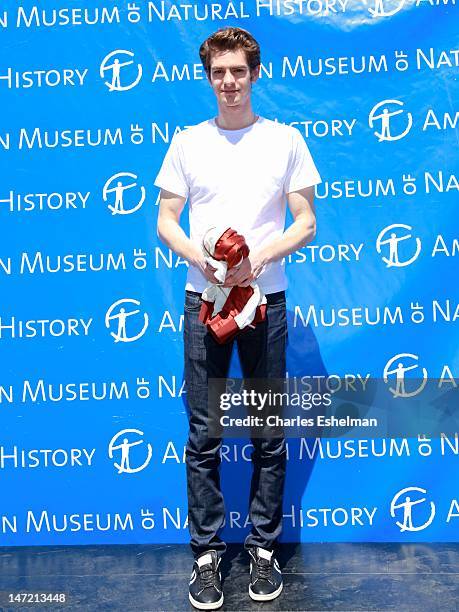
[230, 78]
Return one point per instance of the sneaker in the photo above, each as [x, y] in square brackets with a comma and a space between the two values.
[205, 582]
[265, 575]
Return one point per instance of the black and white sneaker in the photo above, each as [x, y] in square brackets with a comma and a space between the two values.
[265, 575]
[205, 582]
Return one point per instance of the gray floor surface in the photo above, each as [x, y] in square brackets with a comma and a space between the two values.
[338, 576]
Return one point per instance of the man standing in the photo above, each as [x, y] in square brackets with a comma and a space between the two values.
[238, 169]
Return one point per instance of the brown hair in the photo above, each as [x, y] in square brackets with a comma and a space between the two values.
[230, 39]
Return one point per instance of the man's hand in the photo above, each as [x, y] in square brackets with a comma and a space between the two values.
[198, 260]
[249, 270]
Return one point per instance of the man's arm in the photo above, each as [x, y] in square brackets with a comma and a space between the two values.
[300, 233]
[169, 231]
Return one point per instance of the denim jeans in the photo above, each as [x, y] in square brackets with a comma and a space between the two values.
[262, 355]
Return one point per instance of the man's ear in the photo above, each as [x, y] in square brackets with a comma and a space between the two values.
[254, 74]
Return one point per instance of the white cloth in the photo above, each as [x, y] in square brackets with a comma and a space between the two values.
[209, 241]
[240, 178]
[218, 295]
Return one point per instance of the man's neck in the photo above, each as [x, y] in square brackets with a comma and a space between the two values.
[228, 121]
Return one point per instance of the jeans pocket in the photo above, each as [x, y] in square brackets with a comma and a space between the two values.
[193, 302]
[194, 330]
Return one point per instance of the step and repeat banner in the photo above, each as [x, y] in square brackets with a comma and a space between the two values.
[92, 401]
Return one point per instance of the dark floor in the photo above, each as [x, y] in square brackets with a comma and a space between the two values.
[341, 577]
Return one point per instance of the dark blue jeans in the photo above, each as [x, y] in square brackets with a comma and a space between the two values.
[262, 355]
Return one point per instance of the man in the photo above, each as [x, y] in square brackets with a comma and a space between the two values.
[238, 169]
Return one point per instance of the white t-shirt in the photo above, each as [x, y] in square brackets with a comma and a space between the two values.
[238, 178]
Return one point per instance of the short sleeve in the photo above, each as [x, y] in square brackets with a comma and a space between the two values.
[301, 171]
[171, 176]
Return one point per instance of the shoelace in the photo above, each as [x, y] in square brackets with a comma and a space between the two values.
[207, 576]
[264, 569]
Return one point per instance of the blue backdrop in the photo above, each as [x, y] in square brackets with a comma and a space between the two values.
[93, 420]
